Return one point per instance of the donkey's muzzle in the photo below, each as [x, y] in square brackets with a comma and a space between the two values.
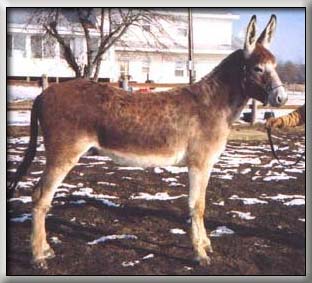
[277, 97]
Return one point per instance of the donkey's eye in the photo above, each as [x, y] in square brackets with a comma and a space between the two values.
[258, 69]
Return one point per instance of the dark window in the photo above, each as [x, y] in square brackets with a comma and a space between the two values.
[36, 46]
[16, 44]
[9, 45]
[69, 42]
[179, 73]
[49, 44]
[179, 69]
[94, 46]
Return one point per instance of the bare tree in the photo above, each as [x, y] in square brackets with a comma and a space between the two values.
[101, 29]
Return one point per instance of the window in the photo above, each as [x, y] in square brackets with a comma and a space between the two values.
[69, 42]
[77, 47]
[179, 69]
[49, 45]
[124, 68]
[9, 45]
[16, 44]
[36, 46]
[146, 66]
[42, 47]
[94, 46]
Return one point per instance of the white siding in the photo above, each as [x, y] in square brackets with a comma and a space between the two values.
[212, 41]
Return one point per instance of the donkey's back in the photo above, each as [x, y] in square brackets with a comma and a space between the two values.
[155, 126]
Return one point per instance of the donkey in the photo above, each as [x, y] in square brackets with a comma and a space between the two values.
[185, 126]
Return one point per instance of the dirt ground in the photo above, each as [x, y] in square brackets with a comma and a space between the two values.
[98, 198]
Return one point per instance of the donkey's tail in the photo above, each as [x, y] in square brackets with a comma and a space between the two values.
[30, 151]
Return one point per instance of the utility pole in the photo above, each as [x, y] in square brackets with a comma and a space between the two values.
[190, 47]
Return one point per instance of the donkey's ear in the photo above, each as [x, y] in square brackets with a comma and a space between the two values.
[250, 39]
[266, 36]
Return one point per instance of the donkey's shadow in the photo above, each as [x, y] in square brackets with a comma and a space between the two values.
[177, 217]
[81, 233]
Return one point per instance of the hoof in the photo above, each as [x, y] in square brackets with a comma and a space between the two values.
[49, 253]
[204, 261]
[209, 249]
[40, 264]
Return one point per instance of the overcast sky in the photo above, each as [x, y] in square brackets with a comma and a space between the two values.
[289, 40]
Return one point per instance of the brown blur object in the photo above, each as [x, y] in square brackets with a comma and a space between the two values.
[293, 119]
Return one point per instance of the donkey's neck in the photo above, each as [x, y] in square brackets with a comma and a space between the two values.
[223, 87]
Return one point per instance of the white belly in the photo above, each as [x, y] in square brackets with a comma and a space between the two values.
[148, 160]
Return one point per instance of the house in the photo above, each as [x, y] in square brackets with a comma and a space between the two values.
[30, 54]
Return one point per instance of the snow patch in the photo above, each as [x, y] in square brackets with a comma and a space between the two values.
[87, 192]
[242, 215]
[158, 170]
[36, 172]
[98, 157]
[60, 195]
[17, 92]
[55, 240]
[278, 178]
[220, 231]
[294, 170]
[177, 231]
[168, 180]
[175, 169]
[130, 168]
[148, 256]
[23, 199]
[220, 203]
[248, 201]
[126, 178]
[130, 263]
[282, 197]
[26, 184]
[19, 140]
[80, 201]
[245, 171]
[113, 237]
[225, 177]
[157, 196]
[70, 186]
[15, 158]
[295, 202]
[24, 217]
[41, 147]
[107, 184]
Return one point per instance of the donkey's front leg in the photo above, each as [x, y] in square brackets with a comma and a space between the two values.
[198, 178]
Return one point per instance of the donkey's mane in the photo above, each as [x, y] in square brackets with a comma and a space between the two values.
[228, 64]
[227, 72]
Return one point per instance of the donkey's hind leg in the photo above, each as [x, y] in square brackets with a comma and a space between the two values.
[198, 184]
[58, 165]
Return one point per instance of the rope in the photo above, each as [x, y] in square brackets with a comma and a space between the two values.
[275, 155]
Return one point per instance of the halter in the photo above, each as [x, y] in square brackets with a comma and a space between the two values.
[267, 88]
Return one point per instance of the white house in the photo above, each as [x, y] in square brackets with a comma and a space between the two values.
[30, 54]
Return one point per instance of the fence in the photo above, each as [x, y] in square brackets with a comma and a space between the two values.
[44, 81]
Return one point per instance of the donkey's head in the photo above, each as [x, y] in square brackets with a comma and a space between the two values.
[261, 79]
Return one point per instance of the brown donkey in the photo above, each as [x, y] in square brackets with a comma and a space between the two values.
[185, 126]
